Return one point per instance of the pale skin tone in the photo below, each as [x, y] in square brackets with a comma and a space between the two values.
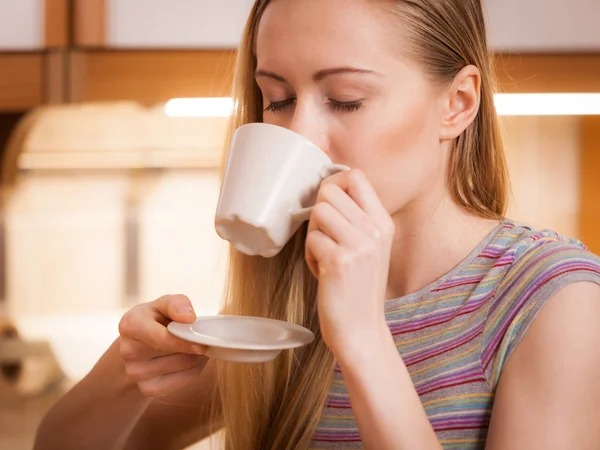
[328, 70]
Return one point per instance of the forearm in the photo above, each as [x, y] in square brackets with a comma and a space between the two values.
[98, 413]
[386, 406]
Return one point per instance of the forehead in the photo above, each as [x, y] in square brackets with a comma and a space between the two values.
[324, 32]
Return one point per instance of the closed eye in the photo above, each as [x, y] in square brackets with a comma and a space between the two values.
[333, 104]
[280, 106]
[345, 106]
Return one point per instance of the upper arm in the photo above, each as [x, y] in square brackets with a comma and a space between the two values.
[548, 396]
[181, 418]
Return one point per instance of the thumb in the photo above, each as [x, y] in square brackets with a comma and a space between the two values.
[176, 307]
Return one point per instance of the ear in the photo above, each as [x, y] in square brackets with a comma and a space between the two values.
[461, 103]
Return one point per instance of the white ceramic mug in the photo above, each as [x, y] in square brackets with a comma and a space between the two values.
[270, 185]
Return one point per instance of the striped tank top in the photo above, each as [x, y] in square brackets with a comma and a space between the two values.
[457, 334]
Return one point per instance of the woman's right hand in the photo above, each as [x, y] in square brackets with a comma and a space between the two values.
[156, 360]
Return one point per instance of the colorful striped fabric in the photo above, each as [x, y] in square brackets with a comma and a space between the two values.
[456, 335]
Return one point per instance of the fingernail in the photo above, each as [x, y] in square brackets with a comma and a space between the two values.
[198, 350]
[185, 310]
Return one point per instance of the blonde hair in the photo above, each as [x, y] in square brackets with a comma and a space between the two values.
[278, 405]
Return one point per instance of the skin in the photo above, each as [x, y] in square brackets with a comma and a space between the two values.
[130, 398]
[375, 231]
[382, 230]
[396, 136]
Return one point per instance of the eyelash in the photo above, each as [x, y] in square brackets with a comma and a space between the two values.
[336, 106]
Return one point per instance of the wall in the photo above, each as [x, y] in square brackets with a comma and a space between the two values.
[176, 23]
[66, 237]
[543, 155]
[21, 24]
[514, 25]
[68, 268]
[66, 256]
[543, 25]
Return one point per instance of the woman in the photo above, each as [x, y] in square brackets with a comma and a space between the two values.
[438, 322]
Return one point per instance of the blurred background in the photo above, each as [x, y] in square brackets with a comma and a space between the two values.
[112, 120]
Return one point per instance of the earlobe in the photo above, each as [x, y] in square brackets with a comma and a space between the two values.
[462, 103]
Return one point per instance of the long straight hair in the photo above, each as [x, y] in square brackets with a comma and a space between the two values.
[277, 405]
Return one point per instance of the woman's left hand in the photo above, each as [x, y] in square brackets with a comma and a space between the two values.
[348, 249]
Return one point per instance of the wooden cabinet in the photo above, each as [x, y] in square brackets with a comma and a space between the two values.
[33, 36]
[21, 81]
[28, 80]
[149, 76]
[548, 73]
[590, 182]
[154, 50]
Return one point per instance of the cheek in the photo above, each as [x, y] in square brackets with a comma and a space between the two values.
[401, 155]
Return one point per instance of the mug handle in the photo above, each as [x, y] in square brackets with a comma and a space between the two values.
[326, 170]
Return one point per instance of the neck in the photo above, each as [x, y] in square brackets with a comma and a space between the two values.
[431, 239]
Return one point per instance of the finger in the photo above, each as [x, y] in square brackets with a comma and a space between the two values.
[330, 221]
[318, 246]
[341, 200]
[140, 325]
[135, 351]
[132, 350]
[176, 308]
[360, 189]
[162, 365]
[165, 384]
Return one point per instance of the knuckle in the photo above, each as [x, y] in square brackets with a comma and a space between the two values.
[389, 229]
[379, 230]
[371, 229]
[320, 209]
[153, 340]
[126, 324]
[136, 372]
[327, 190]
[365, 251]
[154, 343]
[150, 388]
[390, 232]
[311, 240]
[127, 351]
[341, 260]
[163, 299]
[376, 233]
[355, 176]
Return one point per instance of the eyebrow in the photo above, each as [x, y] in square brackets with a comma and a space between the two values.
[340, 70]
[320, 75]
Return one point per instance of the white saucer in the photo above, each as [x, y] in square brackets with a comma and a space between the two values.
[242, 338]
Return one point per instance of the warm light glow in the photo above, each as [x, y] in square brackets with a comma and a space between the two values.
[199, 107]
[506, 105]
[547, 104]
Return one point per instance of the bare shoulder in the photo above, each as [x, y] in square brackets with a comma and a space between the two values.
[182, 418]
[549, 391]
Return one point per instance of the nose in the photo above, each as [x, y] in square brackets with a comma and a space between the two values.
[308, 122]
